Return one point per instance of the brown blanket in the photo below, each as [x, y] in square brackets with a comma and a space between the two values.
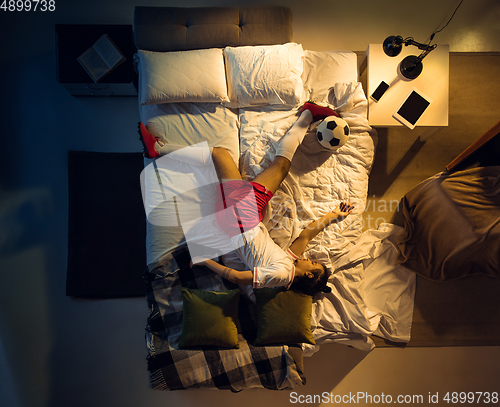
[452, 225]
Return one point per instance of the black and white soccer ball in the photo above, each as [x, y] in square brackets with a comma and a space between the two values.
[333, 133]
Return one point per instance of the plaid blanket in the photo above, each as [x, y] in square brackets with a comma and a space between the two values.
[171, 368]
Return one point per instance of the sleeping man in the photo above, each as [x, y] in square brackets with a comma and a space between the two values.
[239, 213]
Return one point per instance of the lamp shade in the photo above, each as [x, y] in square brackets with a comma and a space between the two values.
[393, 45]
[411, 67]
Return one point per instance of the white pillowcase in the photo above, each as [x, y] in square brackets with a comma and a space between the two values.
[184, 76]
[264, 75]
[323, 69]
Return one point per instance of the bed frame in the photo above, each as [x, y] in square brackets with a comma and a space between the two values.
[163, 29]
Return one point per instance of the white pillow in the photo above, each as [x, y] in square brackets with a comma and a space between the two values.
[185, 76]
[264, 75]
[323, 69]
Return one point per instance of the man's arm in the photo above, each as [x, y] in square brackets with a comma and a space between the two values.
[235, 276]
[298, 246]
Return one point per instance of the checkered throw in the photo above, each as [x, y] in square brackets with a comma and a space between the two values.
[171, 368]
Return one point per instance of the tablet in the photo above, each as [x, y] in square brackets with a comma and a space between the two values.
[412, 109]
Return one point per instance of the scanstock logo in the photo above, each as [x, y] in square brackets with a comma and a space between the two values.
[181, 191]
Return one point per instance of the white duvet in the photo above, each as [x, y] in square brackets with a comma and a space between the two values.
[370, 295]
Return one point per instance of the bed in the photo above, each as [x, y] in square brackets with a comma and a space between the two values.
[254, 79]
[463, 201]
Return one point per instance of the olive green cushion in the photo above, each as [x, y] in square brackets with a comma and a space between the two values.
[209, 318]
[283, 317]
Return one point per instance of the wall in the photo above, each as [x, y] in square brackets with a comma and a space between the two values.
[60, 351]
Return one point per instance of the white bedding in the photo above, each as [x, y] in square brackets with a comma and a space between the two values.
[193, 123]
[370, 295]
[261, 75]
[196, 76]
[318, 179]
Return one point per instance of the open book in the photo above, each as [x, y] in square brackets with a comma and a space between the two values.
[101, 58]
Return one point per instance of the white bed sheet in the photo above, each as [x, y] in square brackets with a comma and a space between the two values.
[371, 295]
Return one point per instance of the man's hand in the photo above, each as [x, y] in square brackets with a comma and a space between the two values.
[343, 210]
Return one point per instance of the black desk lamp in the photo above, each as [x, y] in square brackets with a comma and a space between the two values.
[411, 66]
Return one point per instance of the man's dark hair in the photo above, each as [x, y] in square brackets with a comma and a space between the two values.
[314, 285]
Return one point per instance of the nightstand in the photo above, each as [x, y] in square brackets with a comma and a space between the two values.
[433, 82]
[73, 39]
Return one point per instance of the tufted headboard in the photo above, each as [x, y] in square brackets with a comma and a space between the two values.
[164, 29]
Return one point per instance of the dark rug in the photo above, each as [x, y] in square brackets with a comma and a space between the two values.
[462, 312]
[107, 225]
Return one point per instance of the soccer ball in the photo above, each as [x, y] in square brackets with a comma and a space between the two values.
[333, 133]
